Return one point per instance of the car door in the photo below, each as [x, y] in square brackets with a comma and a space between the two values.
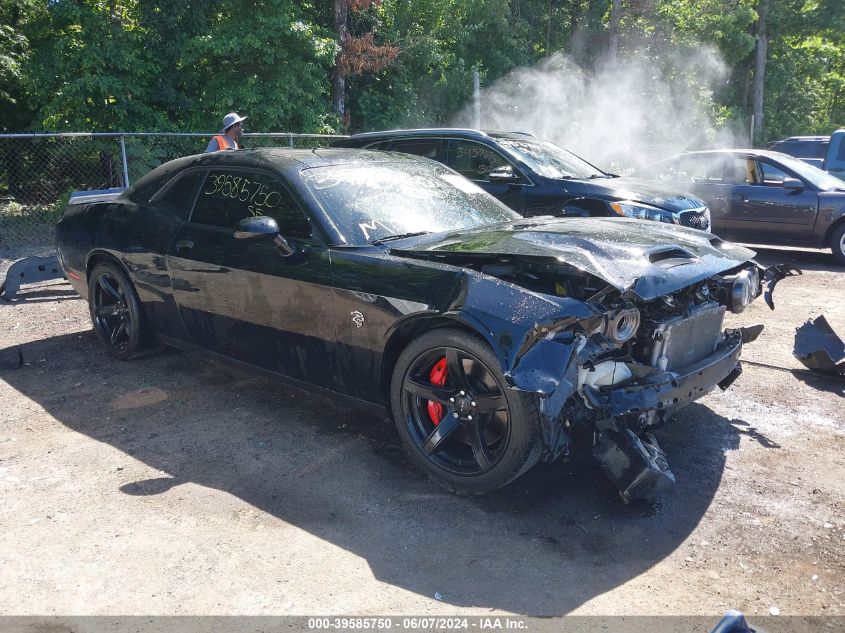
[703, 175]
[166, 211]
[761, 209]
[244, 299]
[477, 161]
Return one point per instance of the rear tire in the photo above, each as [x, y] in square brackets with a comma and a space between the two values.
[116, 313]
[471, 433]
[837, 243]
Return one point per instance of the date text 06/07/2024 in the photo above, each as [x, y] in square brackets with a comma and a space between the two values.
[417, 623]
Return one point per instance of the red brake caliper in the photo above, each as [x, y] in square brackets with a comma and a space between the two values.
[437, 377]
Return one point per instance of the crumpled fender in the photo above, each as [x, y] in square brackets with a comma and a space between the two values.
[531, 335]
[528, 331]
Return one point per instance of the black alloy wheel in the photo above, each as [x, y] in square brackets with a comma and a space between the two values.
[115, 311]
[456, 415]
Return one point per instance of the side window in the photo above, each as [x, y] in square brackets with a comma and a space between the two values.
[178, 196]
[770, 175]
[664, 170]
[474, 160]
[230, 196]
[740, 171]
[428, 147]
[702, 168]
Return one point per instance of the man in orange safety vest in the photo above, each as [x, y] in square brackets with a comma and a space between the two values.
[229, 135]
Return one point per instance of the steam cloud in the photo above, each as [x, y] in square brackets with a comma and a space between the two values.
[618, 117]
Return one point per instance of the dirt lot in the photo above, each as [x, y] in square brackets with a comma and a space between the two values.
[174, 485]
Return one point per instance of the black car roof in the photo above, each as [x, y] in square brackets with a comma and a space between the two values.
[284, 158]
[279, 159]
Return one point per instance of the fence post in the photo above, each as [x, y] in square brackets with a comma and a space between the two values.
[291, 140]
[123, 158]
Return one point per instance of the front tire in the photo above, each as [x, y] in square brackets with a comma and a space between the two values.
[457, 418]
[116, 312]
[837, 243]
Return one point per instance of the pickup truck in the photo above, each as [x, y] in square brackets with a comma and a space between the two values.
[824, 152]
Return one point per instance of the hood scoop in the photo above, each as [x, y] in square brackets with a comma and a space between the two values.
[671, 256]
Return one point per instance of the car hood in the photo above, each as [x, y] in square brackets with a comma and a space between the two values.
[625, 188]
[647, 258]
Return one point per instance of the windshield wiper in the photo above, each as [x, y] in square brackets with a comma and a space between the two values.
[399, 236]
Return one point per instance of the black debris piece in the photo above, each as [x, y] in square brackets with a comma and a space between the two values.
[772, 275]
[819, 348]
[29, 270]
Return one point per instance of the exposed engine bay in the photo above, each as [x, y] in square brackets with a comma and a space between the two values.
[640, 361]
[623, 330]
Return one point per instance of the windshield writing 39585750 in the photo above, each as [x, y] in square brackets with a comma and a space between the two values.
[257, 196]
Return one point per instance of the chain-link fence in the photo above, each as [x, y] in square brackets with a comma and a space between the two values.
[38, 172]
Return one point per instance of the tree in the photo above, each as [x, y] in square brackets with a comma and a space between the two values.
[90, 69]
[758, 92]
[357, 54]
[615, 18]
[16, 111]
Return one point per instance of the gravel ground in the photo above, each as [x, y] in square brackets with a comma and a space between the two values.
[175, 485]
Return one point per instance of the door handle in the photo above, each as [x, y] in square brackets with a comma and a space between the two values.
[184, 245]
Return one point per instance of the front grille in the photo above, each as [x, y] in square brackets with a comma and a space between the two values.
[696, 218]
[683, 340]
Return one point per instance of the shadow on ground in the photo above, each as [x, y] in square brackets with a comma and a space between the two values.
[543, 546]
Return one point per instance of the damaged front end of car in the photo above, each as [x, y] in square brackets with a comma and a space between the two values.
[636, 363]
[636, 330]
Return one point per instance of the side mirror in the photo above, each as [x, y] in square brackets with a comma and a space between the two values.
[503, 174]
[792, 183]
[256, 228]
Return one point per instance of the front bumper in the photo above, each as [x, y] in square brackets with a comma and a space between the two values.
[670, 389]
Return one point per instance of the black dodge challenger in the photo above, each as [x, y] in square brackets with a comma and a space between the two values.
[393, 282]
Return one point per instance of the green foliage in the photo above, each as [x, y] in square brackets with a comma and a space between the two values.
[16, 17]
[724, 23]
[136, 65]
[441, 42]
[806, 84]
[266, 60]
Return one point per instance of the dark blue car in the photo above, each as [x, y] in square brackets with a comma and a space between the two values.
[535, 177]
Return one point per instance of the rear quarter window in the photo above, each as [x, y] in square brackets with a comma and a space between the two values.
[179, 195]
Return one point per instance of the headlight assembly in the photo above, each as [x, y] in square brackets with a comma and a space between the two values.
[743, 291]
[642, 212]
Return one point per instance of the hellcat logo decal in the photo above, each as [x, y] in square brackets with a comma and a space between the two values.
[357, 318]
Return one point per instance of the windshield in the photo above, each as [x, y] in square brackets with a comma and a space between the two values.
[549, 160]
[374, 202]
[813, 175]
